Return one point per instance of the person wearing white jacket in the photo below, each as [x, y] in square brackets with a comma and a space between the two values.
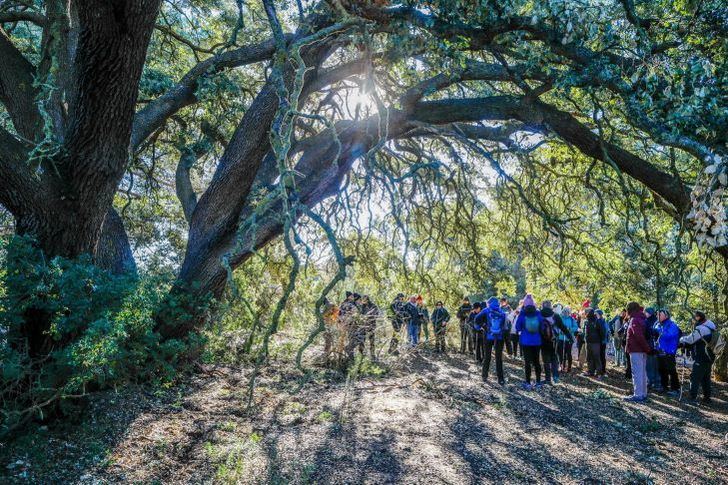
[512, 316]
[704, 357]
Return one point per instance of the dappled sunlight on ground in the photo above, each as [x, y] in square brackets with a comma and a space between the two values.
[429, 419]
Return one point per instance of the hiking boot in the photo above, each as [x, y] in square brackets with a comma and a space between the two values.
[527, 386]
[538, 385]
[635, 399]
[556, 380]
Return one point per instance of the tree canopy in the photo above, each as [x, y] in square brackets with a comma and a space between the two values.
[563, 146]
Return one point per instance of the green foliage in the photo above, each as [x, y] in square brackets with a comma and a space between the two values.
[101, 331]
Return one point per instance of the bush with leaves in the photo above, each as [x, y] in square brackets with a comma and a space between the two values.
[101, 332]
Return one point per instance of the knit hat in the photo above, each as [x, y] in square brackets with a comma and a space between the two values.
[528, 301]
[586, 304]
[599, 312]
[649, 310]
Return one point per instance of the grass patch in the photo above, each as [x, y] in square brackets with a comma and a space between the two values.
[325, 417]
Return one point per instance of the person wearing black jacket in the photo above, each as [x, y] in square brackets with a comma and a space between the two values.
[548, 341]
[368, 326]
[476, 322]
[399, 318]
[413, 320]
[702, 354]
[466, 335]
[593, 337]
[440, 317]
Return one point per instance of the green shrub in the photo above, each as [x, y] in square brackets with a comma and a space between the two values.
[97, 331]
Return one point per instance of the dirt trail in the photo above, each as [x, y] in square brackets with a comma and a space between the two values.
[429, 420]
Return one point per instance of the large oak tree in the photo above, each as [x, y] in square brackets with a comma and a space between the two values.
[624, 84]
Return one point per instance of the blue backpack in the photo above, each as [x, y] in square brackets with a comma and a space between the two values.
[532, 325]
[496, 321]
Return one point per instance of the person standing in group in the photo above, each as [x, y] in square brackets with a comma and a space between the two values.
[494, 337]
[399, 319]
[593, 338]
[506, 309]
[370, 315]
[580, 352]
[548, 342]
[424, 317]
[558, 328]
[513, 333]
[478, 323]
[349, 321]
[565, 340]
[618, 329]
[705, 341]
[440, 318]
[637, 348]
[466, 340]
[413, 321]
[668, 336]
[653, 375]
[605, 342]
[529, 324]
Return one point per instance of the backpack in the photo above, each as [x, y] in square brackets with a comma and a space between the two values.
[496, 323]
[531, 324]
[547, 331]
[716, 344]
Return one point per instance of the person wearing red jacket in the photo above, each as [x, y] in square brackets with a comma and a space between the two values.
[637, 347]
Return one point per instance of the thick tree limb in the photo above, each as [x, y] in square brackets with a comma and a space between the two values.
[22, 16]
[19, 190]
[566, 127]
[156, 113]
[17, 92]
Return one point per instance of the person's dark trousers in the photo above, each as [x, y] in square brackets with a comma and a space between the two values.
[489, 344]
[603, 359]
[463, 336]
[547, 355]
[394, 343]
[700, 377]
[593, 358]
[563, 351]
[479, 345]
[628, 370]
[515, 342]
[440, 338]
[531, 359]
[508, 344]
[579, 345]
[668, 372]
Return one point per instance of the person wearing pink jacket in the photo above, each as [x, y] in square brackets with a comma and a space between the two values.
[637, 348]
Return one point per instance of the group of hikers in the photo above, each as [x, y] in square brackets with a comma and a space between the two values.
[645, 341]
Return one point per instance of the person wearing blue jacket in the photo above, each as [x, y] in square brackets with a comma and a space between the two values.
[529, 325]
[479, 325]
[495, 331]
[667, 341]
[565, 341]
